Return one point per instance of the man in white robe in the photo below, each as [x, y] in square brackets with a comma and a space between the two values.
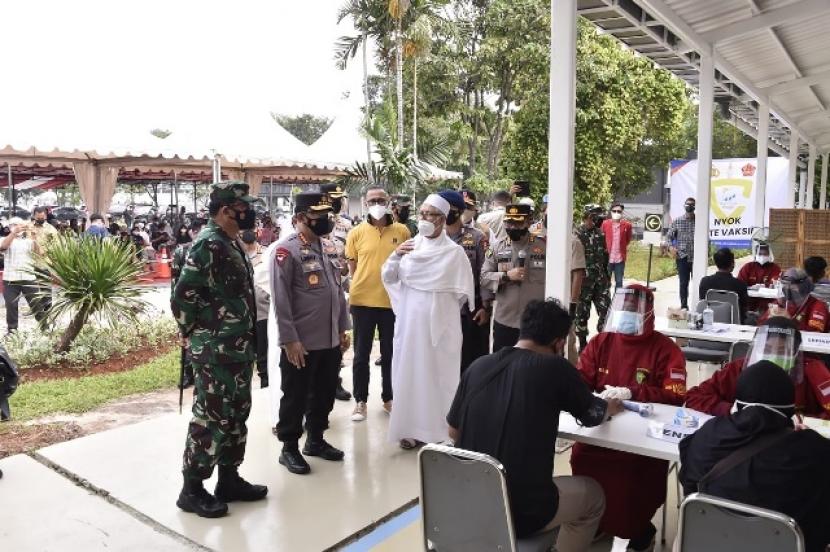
[428, 278]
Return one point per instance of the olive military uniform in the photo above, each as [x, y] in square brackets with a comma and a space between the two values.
[176, 265]
[311, 308]
[513, 297]
[597, 281]
[213, 303]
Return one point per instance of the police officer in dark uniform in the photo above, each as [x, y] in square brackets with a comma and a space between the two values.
[401, 210]
[595, 287]
[514, 269]
[313, 317]
[474, 244]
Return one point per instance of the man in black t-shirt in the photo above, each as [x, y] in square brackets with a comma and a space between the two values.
[723, 280]
[507, 405]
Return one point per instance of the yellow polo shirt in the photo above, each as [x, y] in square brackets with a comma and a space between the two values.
[369, 247]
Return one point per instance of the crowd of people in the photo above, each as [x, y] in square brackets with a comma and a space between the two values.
[429, 286]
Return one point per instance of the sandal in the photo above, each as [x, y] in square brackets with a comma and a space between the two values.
[408, 444]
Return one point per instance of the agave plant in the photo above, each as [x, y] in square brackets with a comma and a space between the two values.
[91, 278]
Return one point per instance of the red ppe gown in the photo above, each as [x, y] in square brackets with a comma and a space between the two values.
[753, 274]
[812, 316]
[653, 367]
[716, 395]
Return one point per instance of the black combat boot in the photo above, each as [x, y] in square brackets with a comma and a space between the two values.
[583, 342]
[315, 445]
[196, 500]
[263, 380]
[231, 487]
[341, 394]
[293, 460]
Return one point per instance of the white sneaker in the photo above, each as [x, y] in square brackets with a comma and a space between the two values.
[359, 413]
[387, 407]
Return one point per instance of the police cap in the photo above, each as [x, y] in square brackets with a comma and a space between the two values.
[314, 202]
[518, 212]
[334, 191]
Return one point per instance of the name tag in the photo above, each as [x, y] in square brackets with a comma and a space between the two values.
[312, 266]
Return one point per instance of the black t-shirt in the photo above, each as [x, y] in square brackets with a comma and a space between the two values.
[512, 414]
[726, 282]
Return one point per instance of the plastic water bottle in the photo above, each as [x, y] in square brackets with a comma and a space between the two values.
[708, 318]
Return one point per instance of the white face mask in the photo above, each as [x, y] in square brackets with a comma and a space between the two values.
[377, 212]
[762, 259]
[616, 216]
[771, 407]
[426, 228]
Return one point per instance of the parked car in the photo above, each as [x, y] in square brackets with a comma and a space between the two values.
[5, 213]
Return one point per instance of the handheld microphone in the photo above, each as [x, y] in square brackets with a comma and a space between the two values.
[522, 257]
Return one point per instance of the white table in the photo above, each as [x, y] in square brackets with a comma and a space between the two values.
[627, 432]
[763, 293]
[814, 342]
[724, 333]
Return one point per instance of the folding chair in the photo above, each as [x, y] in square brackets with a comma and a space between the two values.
[712, 524]
[710, 352]
[724, 296]
[464, 504]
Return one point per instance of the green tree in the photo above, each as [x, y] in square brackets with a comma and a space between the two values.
[727, 140]
[306, 128]
[91, 278]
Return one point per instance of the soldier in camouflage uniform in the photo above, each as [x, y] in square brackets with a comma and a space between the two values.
[597, 279]
[213, 303]
[176, 265]
[401, 207]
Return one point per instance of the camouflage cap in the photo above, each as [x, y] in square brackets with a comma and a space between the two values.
[231, 191]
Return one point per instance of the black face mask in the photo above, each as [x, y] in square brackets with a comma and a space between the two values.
[403, 214]
[336, 204]
[321, 226]
[39, 222]
[246, 220]
[452, 217]
[689, 208]
[516, 234]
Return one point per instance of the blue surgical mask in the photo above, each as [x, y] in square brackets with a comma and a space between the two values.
[628, 323]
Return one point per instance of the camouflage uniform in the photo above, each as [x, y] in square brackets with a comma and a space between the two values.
[176, 266]
[597, 280]
[213, 303]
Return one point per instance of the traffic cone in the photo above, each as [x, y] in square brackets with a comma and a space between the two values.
[163, 267]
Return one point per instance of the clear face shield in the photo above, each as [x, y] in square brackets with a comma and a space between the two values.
[762, 252]
[794, 291]
[628, 312]
[777, 345]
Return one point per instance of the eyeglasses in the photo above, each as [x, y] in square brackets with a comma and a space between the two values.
[427, 215]
[377, 201]
[616, 210]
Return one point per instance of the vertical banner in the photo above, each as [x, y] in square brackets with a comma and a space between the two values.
[732, 199]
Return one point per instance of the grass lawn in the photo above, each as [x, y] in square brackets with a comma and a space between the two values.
[74, 396]
[636, 263]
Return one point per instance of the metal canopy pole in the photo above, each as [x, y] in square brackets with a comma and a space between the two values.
[802, 189]
[791, 174]
[704, 171]
[11, 189]
[561, 147]
[271, 194]
[761, 174]
[822, 202]
[811, 178]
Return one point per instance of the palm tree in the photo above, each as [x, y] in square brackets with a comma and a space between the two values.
[91, 277]
[418, 45]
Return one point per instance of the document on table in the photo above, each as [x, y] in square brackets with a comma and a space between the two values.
[822, 427]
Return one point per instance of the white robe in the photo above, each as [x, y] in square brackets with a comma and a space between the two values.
[426, 288]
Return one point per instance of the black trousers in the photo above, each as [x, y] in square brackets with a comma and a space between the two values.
[364, 322]
[307, 392]
[475, 340]
[38, 305]
[262, 348]
[504, 336]
[684, 274]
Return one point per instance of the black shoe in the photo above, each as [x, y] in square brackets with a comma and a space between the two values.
[341, 394]
[1, 474]
[317, 446]
[294, 461]
[263, 380]
[644, 542]
[196, 500]
[379, 361]
[231, 487]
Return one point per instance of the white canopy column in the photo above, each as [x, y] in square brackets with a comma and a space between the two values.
[793, 168]
[761, 174]
[822, 202]
[811, 178]
[802, 189]
[96, 184]
[704, 172]
[561, 148]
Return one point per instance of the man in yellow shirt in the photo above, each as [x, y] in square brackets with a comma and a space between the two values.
[368, 246]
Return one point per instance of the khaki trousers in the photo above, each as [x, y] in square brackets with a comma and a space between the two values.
[581, 505]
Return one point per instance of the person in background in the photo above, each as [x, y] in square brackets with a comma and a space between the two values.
[470, 215]
[97, 227]
[429, 280]
[20, 250]
[597, 281]
[507, 405]
[777, 340]
[494, 219]
[267, 233]
[618, 233]
[630, 360]
[723, 280]
[761, 271]
[42, 232]
[682, 234]
[784, 468]
[514, 271]
[816, 269]
[401, 211]
[262, 298]
[810, 313]
[368, 246]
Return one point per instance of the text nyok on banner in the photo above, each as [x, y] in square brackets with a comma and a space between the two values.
[732, 197]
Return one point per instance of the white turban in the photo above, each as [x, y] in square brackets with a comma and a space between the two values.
[438, 202]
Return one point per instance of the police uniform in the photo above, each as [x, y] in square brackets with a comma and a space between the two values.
[311, 308]
[213, 303]
[595, 287]
[513, 297]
